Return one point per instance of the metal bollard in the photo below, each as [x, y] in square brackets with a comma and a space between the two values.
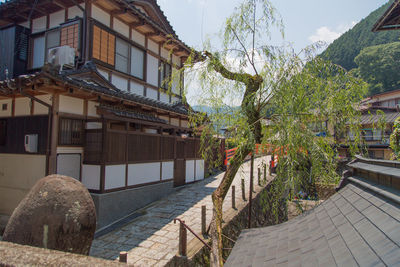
[123, 256]
[182, 239]
[243, 191]
[233, 197]
[203, 220]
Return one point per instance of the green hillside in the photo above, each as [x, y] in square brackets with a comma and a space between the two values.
[344, 49]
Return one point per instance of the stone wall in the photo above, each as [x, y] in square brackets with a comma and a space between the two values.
[235, 221]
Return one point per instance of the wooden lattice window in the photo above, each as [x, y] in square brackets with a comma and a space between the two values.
[70, 35]
[71, 132]
[103, 45]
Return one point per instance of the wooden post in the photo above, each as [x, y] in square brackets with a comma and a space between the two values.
[123, 256]
[259, 177]
[203, 220]
[243, 190]
[182, 239]
[265, 172]
[233, 197]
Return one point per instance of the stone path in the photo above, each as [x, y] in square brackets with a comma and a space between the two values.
[152, 239]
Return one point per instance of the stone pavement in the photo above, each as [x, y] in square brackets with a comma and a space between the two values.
[152, 239]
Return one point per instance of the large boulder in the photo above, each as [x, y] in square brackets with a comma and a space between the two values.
[57, 213]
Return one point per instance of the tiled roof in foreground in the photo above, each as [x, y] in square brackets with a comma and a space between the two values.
[358, 226]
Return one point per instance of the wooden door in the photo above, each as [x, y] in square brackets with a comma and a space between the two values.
[179, 172]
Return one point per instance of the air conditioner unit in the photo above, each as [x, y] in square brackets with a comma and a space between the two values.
[61, 56]
[31, 143]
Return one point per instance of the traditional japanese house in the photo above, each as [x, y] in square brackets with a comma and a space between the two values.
[92, 89]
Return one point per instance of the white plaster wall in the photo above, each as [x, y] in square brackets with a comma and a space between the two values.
[164, 53]
[175, 82]
[175, 121]
[143, 173]
[121, 27]
[166, 118]
[189, 171]
[57, 18]
[92, 109]
[91, 176]
[8, 111]
[138, 37]
[115, 176]
[152, 70]
[69, 149]
[16, 179]
[164, 97]
[152, 46]
[119, 82]
[184, 123]
[71, 105]
[104, 74]
[75, 12]
[94, 125]
[100, 15]
[150, 131]
[25, 24]
[176, 60]
[22, 106]
[69, 165]
[175, 99]
[137, 88]
[40, 109]
[167, 170]
[39, 24]
[151, 93]
[199, 169]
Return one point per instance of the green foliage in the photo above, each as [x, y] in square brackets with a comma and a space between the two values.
[395, 139]
[379, 66]
[344, 49]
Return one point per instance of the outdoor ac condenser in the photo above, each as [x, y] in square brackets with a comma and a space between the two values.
[31, 143]
[61, 55]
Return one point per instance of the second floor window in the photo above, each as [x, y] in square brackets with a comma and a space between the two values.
[137, 62]
[165, 75]
[121, 55]
[103, 45]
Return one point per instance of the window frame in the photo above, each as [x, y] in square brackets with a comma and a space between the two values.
[118, 54]
[71, 142]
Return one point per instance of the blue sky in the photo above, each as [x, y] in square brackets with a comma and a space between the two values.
[305, 21]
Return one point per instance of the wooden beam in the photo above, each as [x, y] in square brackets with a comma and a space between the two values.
[58, 3]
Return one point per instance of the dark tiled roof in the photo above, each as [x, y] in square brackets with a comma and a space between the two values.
[374, 118]
[132, 114]
[358, 226]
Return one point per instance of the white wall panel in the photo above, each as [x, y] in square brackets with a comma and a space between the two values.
[39, 24]
[57, 18]
[176, 60]
[175, 99]
[175, 121]
[104, 74]
[22, 106]
[91, 176]
[74, 11]
[199, 169]
[71, 105]
[137, 88]
[121, 27]
[69, 165]
[152, 46]
[119, 82]
[164, 97]
[115, 176]
[92, 109]
[185, 124]
[101, 15]
[143, 173]
[167, 170]
[151, 93]
[8, 108]
[94, 125]
[189, 171]
[150, 131]
[165, 53]
[152, 70]
[25, 24]
[40, 109]
[138, 37]
[175, 81]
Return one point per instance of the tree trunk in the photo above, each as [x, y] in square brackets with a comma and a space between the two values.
[218, 197]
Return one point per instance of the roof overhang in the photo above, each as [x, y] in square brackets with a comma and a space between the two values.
[390, 20]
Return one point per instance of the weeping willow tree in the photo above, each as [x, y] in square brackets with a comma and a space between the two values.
[247, 81]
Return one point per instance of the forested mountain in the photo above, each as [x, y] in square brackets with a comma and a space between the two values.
[344, 49]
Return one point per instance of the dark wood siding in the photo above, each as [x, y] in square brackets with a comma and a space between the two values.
[143, 148]
[93, 146]
[168, 146]
[18, 127]
[116, 147]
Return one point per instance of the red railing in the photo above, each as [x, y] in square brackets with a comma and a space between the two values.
[258, 149]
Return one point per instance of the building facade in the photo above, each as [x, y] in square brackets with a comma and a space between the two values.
[93, 89]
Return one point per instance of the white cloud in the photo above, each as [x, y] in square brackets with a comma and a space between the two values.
[327, 35]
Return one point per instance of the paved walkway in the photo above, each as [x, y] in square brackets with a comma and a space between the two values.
[152, 239]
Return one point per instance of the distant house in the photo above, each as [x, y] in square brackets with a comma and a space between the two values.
[110, 114]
